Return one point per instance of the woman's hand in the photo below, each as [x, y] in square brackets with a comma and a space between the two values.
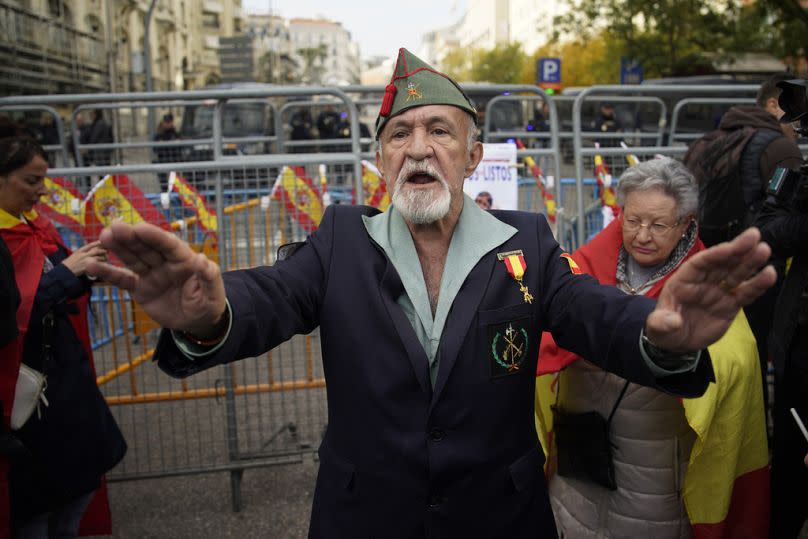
[81, 257]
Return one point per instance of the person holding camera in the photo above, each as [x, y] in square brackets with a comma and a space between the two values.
[783, 222]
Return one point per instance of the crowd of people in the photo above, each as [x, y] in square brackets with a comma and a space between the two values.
[648, 414]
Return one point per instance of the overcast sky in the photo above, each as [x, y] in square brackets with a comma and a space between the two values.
[380, 27]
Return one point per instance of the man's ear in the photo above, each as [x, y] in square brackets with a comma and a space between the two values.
[475, 156]
[772, 106]
[379, 165]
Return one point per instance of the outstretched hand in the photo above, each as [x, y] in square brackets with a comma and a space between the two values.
[702, 297]
[178, 288]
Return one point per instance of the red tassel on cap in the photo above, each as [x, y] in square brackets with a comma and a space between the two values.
[389, 96]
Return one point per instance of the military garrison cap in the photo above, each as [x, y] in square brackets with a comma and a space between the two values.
[414, 84]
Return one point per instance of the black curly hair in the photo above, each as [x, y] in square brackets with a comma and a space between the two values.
[17, 146]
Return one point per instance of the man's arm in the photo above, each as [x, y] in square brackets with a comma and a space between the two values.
[783, 228]
[696, 306]
[184, 291]
[604, 325]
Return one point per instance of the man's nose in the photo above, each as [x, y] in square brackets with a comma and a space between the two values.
[420, 146]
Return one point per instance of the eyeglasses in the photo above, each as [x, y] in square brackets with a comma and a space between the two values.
[656, 230]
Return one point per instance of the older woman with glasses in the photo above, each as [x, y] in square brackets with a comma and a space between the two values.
[630, 461]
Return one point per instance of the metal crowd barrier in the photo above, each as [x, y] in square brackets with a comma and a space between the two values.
[256, 412]
[272, 409]
[580, 152]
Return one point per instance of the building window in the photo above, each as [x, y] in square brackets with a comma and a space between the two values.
[210, 20]
[237, 26]
[93, 23]
[59, 10]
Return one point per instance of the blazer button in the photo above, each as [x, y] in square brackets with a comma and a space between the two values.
[434, 502]
[436, 434]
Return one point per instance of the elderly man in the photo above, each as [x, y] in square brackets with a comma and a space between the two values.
[430, 316]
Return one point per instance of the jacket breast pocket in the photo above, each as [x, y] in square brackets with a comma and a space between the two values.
[508, 335]
[495, 316]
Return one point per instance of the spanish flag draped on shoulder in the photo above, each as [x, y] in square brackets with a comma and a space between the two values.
[300, 197]
[62, 204]
[117, 197]
[192, 198]
[726, 487]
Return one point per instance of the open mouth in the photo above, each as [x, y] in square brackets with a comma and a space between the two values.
[421, 178]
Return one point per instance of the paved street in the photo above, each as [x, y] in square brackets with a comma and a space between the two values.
[277, 502]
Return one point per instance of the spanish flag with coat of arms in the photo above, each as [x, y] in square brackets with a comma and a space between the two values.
[374, 187]
[192, 198]
[117, 197]
[63, 204]
[300, 197]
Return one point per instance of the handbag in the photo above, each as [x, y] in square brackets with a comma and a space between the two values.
[584, 448]
[29, 394]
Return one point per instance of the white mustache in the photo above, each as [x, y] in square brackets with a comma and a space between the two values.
[412, 167]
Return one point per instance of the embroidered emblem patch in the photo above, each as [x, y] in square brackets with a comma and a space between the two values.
[509, 343]
[574, 268]
[413, 92]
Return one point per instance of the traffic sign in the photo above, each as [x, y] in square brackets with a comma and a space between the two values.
[630, 71]
[548, 70]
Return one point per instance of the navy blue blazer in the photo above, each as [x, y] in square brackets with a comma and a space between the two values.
[399, 458]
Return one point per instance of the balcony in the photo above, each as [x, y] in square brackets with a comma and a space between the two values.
[43, 55]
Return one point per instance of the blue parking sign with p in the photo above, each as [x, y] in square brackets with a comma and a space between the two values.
[550, 70]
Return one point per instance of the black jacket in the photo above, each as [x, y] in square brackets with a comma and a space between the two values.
[399, 457]
[780, 151]
[76, 439]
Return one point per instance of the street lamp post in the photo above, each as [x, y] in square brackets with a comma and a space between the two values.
[148, 65]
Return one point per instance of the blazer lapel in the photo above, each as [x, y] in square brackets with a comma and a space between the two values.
[391, 288]
[464, 309]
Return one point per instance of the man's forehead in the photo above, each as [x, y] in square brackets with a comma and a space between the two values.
[428, 113]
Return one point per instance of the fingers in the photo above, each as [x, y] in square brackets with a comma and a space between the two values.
[144, 247]
[728, 264]
[750, 289]
[120, 277]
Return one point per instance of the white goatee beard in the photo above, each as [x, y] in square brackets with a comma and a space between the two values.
[417, 206]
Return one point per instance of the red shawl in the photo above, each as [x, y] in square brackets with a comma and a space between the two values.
[29, 244]
[599, 259]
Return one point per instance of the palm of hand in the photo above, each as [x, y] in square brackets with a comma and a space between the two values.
[174, 294]
[706, 313]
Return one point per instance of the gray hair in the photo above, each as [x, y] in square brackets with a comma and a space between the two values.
[667, 174]
[471, 130]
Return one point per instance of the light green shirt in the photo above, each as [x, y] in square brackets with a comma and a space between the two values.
[476, 233]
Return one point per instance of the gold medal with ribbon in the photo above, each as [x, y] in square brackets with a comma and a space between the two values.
[516, 266]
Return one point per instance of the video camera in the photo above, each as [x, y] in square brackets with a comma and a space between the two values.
[787, 185]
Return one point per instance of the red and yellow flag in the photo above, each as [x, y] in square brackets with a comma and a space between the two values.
[116, 197]
[607, 193]
[62, 204]
[374, 187]
[574, 268]
[547, 196]
[300, 197]
[192, 198]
